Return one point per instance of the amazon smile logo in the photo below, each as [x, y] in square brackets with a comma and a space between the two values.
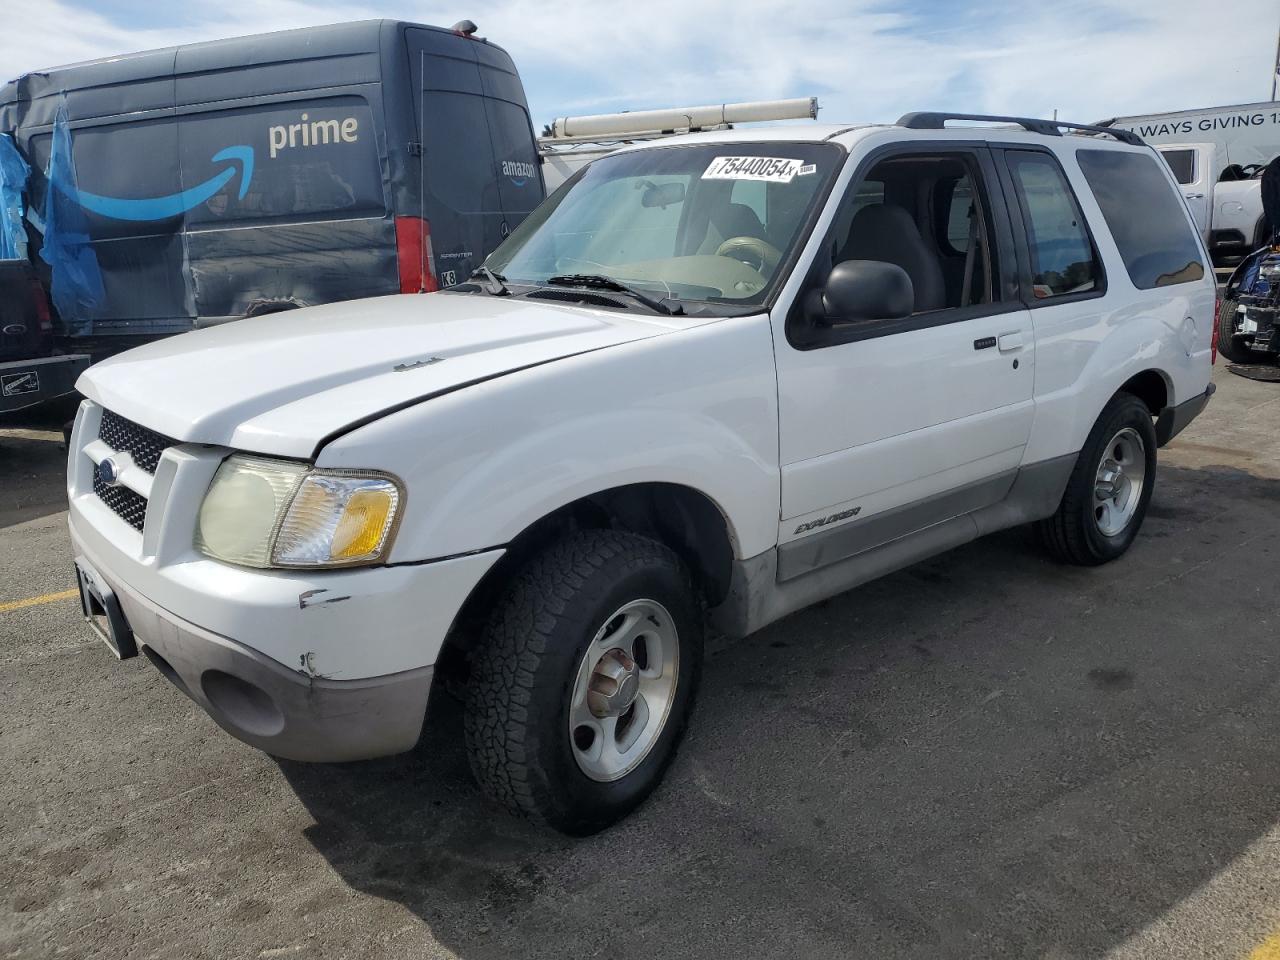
[175, 204]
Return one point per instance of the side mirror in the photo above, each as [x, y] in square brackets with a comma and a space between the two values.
[861, 290]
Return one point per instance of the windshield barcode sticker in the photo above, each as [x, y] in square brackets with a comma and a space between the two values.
[771, 169]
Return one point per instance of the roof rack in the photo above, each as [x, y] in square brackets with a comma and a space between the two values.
[651, 124]
[1049, 128]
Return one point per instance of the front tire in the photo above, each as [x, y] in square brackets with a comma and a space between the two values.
[583, 682]
[1232, 350]
[1109, 489]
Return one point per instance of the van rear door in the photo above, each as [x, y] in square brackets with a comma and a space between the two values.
[515, 149]
[480, 169]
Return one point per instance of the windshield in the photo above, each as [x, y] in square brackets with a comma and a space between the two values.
[711, 222]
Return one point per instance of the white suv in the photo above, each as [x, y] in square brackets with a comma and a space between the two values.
[714, 379]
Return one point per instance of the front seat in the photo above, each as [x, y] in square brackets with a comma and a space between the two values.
[886, 232]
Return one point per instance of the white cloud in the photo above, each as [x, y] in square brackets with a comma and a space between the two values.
[866, 60]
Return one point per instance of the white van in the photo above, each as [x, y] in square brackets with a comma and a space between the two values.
[1226, 205]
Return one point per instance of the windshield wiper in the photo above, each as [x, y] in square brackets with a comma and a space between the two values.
[497, 286]
[600, 282]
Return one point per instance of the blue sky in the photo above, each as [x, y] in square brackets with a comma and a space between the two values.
[863, 59]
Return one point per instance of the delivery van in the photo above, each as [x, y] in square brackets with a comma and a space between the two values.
[212, 181]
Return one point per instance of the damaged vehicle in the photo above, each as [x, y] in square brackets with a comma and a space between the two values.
[711, 381]
[1249, 312]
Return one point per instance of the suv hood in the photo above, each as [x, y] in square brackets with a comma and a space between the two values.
[281, 383]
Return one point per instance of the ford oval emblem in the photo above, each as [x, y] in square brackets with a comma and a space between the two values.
[15, 329]
[109, 472]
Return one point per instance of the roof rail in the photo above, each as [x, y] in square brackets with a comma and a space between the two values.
[1049, 128]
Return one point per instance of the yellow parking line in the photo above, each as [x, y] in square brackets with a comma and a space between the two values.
[8, 605]
[1268, 949]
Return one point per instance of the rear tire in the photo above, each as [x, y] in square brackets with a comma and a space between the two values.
[584, 679]
[1232, 350]
[1109, 489]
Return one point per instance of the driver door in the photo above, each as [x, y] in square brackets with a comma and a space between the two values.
[887, 427]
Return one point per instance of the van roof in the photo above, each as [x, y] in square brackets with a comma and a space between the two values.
[138, 70]
[297, 42]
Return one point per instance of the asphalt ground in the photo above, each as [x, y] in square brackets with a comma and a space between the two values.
[986, 755]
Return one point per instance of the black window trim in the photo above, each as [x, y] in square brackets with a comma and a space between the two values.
[1023, 236]
[803, 335]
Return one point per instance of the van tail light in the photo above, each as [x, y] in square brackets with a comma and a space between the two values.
[41, 301]
[413, 251]
[1217, 321]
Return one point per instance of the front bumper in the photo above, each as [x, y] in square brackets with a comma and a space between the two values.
[291, 709]
[1258, 323]
[267, 705]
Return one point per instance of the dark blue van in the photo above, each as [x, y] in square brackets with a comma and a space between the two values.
[217, 180]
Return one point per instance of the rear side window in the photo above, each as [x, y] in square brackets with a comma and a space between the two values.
[1063, 261]
[1182, 163]
[1146, 216]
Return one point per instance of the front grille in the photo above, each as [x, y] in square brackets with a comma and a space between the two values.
[130, 506]
[145, 446]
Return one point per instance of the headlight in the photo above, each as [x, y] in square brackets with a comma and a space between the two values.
[274, 513]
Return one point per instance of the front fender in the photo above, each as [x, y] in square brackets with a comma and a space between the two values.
[696, 407]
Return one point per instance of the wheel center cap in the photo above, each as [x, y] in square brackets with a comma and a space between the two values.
[615, 683]
[1111, 480]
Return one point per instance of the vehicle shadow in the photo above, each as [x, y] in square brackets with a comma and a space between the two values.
[33, 477]
[983, 755]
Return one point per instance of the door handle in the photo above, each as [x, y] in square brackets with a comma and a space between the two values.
[1194, 196]
[1010, 341]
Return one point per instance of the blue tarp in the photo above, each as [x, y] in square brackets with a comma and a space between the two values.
[14, 174]
[76, 285]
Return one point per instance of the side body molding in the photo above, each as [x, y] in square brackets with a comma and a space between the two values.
[780, 581]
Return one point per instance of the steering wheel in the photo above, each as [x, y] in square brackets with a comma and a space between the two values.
[760, 255]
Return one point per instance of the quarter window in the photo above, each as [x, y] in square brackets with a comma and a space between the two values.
[1146, 216]
[1063, 261]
